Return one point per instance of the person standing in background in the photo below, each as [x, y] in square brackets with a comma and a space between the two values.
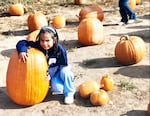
[128, 16]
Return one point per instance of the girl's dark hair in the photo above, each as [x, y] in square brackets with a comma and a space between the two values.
[55, 37]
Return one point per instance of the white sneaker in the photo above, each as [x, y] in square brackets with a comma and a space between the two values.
[69, 100]
[121, 23]
[131, 21]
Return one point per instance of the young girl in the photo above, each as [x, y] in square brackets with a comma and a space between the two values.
[127, 14]
[60, 74]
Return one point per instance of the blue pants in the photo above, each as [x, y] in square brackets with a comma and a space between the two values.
[63, 81]
[125, 11]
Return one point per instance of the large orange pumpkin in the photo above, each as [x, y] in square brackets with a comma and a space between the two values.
[32, 36]
[99, 97]
[84, 12]
[90, 32]
[132, 4]
[58, 21]
[130, 50]
[25, 82]
[36, 21]
[79, 2]
[86, 88]
[16, 9]
[107, 83]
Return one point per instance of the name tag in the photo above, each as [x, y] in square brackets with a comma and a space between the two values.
[51, 61]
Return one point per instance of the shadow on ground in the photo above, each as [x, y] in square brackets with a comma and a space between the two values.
[7, 52]
[16, 33]
[100, 63]
[135, 113]
[140, 71]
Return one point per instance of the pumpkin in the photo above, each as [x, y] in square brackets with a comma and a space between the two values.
[90, 32]
[84, 12]
[86, 88]
[36, 21]
[58, 21]
[16, 9]
[107, 83]
[32, 36]
[148, 108]
[132, 4]
[25, 82]
[130, 50]
[99, 97]
[79, 2]
[138, 2]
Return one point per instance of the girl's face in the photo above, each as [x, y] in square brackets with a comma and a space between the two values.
[46, 40]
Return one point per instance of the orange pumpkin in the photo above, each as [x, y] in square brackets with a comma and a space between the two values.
[25, 82]
[32, 36]
[107, 83]
[36, 21]
[16, 9]
[148, 108]
[58, 21]
[130, 50]
[86, 88]
[79, 2]
[138, 2]
[132, 4]
[84, 12]
[90, 32]
[99, 97]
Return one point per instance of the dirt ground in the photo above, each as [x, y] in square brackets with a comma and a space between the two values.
[88, 62]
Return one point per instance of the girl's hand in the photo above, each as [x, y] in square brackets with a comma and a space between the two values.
[23, 56]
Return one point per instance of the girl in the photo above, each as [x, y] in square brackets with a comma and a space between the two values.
[127, 14]
[59, 72]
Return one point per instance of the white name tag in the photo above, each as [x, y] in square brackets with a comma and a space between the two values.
[51, 61]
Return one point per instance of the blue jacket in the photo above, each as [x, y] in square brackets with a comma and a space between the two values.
[54, 60]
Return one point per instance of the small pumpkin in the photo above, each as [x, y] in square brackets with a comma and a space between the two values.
[132, 4]
[33, 35]
[25, 82]
[130, 50]
[79, 2]
[90, 32]
[36, 20]
[84, 12]
[86, 88]
[16, 9]
[99, 97]
[148, 108]
[58, 21]
[107, 83]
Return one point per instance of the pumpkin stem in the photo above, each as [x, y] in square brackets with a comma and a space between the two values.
[126, 37]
